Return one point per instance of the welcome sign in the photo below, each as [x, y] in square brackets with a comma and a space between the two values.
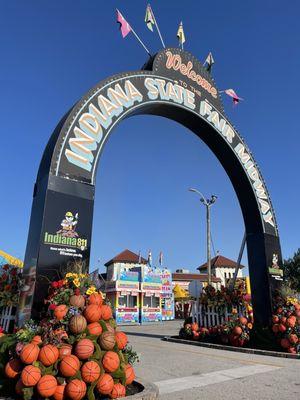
[183, 83]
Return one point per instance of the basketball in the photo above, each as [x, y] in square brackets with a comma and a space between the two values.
[30, 375]
[106, 312]
[94, 328]
[65, 350]
[111, 361]
[60, 312]
[13, 368]
[77, 324]
[36, 340]
[90, 371]
[121, 340]
[107, 340]
[96, 298]
[92, 313]
[118, 390]
[84, 349]
[105, 384]
[48, 355]
[46, 386]
[69, 365]
[29, 353]
[59, 393]
[75, 390]
[130, 375]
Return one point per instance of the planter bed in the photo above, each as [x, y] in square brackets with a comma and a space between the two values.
[177, 339]
[138, 390]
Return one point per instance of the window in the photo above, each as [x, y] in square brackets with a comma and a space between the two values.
[132, 301]
[151, 301]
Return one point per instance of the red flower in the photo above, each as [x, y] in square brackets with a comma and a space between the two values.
[61, 283]
[1, 329]
[52, 306]
[55, 284]
[77, 291]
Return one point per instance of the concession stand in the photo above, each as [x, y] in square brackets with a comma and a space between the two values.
[150, 295]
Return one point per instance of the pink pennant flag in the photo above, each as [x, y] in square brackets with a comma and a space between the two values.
[236, 99]
[125, 28]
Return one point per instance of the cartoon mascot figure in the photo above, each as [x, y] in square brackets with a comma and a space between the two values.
[68, 225]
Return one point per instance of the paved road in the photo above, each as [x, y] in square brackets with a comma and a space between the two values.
[192, 373]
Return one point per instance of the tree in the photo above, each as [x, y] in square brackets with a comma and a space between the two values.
[291, 270]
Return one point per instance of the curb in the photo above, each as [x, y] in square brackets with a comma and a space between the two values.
[149, 391]
[176, 339]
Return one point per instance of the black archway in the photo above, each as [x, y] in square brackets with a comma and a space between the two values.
[173, 84]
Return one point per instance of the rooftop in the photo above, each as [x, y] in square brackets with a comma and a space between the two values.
[126, 256]
[220, 262]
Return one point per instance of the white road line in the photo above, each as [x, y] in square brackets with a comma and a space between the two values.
[211, 378]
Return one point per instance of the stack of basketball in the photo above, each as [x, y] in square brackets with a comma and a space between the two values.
[92, 363]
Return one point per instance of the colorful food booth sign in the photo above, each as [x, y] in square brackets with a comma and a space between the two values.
[124, 297]
[150, 296]
[167, 296]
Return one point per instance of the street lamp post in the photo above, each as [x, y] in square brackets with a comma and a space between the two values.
[208, 203]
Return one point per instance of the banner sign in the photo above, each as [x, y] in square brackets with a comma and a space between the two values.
[66, 235]
[129, 276]
[185, 84]
[166, 281]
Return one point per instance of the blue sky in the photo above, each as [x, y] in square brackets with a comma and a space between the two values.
[52, 52]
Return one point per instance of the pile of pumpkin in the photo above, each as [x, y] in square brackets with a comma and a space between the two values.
[82, 358]
[236, 332]
[286, 326]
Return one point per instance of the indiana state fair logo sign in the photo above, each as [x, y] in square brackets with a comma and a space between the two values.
[176, 78]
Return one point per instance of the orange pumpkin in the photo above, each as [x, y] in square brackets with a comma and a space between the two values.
[29, 353]
[94, 328]
[107, 340]
[293, 338]
[47, 385]
[130, 375]
[118, 391]
[76, 389]
[121, 340]
[106, 312]
[96, 298]
[195, 326]
[31, 375]
[105, 384]
[92, 313]
[19, 387]
[285, 343]
[77, 301]
[59, 393]
[37, 340]
[90, 371]
[237, 330]
[69, 366]
[65, 350]
[84, 349]
[13, 368]
[243, 320]
[111, 361]
[48, 355]
[77, 324]
[60, 312]
[291, 322]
